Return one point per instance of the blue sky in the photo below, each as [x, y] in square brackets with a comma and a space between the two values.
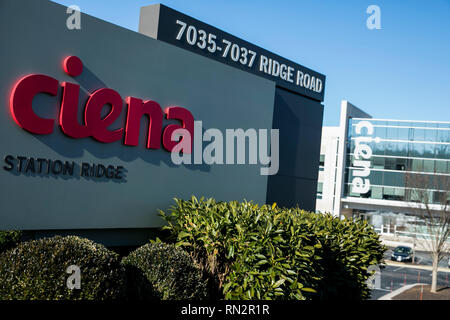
[399, 72]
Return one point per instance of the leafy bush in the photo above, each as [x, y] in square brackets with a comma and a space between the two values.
[37, 270]
[267, 252]
[9, 239]
[162, 271]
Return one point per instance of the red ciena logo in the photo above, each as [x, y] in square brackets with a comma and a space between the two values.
[94, 125]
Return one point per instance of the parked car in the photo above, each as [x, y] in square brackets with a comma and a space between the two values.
[402, 253]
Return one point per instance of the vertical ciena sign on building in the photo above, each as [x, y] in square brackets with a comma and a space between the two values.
[362, 156]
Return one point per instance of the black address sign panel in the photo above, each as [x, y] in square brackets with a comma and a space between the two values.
[176, 28]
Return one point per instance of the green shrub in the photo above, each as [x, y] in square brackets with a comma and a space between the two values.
[9, 239]
[267, 252]
[162, 271]
[37, 270]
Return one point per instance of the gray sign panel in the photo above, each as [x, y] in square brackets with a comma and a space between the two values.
[36, 40]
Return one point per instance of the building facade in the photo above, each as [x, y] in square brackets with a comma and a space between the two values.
[374, 168]
[88, 116]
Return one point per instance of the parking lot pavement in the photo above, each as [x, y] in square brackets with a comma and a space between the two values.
[394, 277]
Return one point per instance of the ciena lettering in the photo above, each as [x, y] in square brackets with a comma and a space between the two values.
[95, 125]
[361, 181]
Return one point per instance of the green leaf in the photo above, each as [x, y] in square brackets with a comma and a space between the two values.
[261, 262]
[183, 234]
[308, 290]
[278, 283]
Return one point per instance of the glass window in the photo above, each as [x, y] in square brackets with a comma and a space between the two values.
[417, 165]
[400, 164]
[417, 150]
[392, 123]
[319, 187]
[346, 189]
[352, 145]
[395, 179]
[378, 148]
[392, 133]
[377, 192]
[349, 191]
[403, 134]
[438, 197]
[351, 131]
[400, 192]
[441, 166]
[380, 132]
[444, 125]
[378, 162]
[430, 195]
[401, 149]
[443, 135]
[403, 124]
[430, 135]
[393, 194]
[414, 196]
[428, 165]
[419, 135]
[376, 177]
[347, 175]
[377, 122]
[429, 150]
[390, 164]
[442, 151]
[350, 126]
[407, 124]
[390, 148]
[322, 160]
[349, 160]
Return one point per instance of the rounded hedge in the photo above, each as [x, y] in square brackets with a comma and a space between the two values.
[37, 270]
[163, 271]
[9, 239]
[267, 252]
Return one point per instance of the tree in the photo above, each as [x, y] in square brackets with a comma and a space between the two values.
[429, 198]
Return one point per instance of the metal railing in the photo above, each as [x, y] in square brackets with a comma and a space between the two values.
[392, 231]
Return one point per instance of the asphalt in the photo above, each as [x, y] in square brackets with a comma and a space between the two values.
[395, 277]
